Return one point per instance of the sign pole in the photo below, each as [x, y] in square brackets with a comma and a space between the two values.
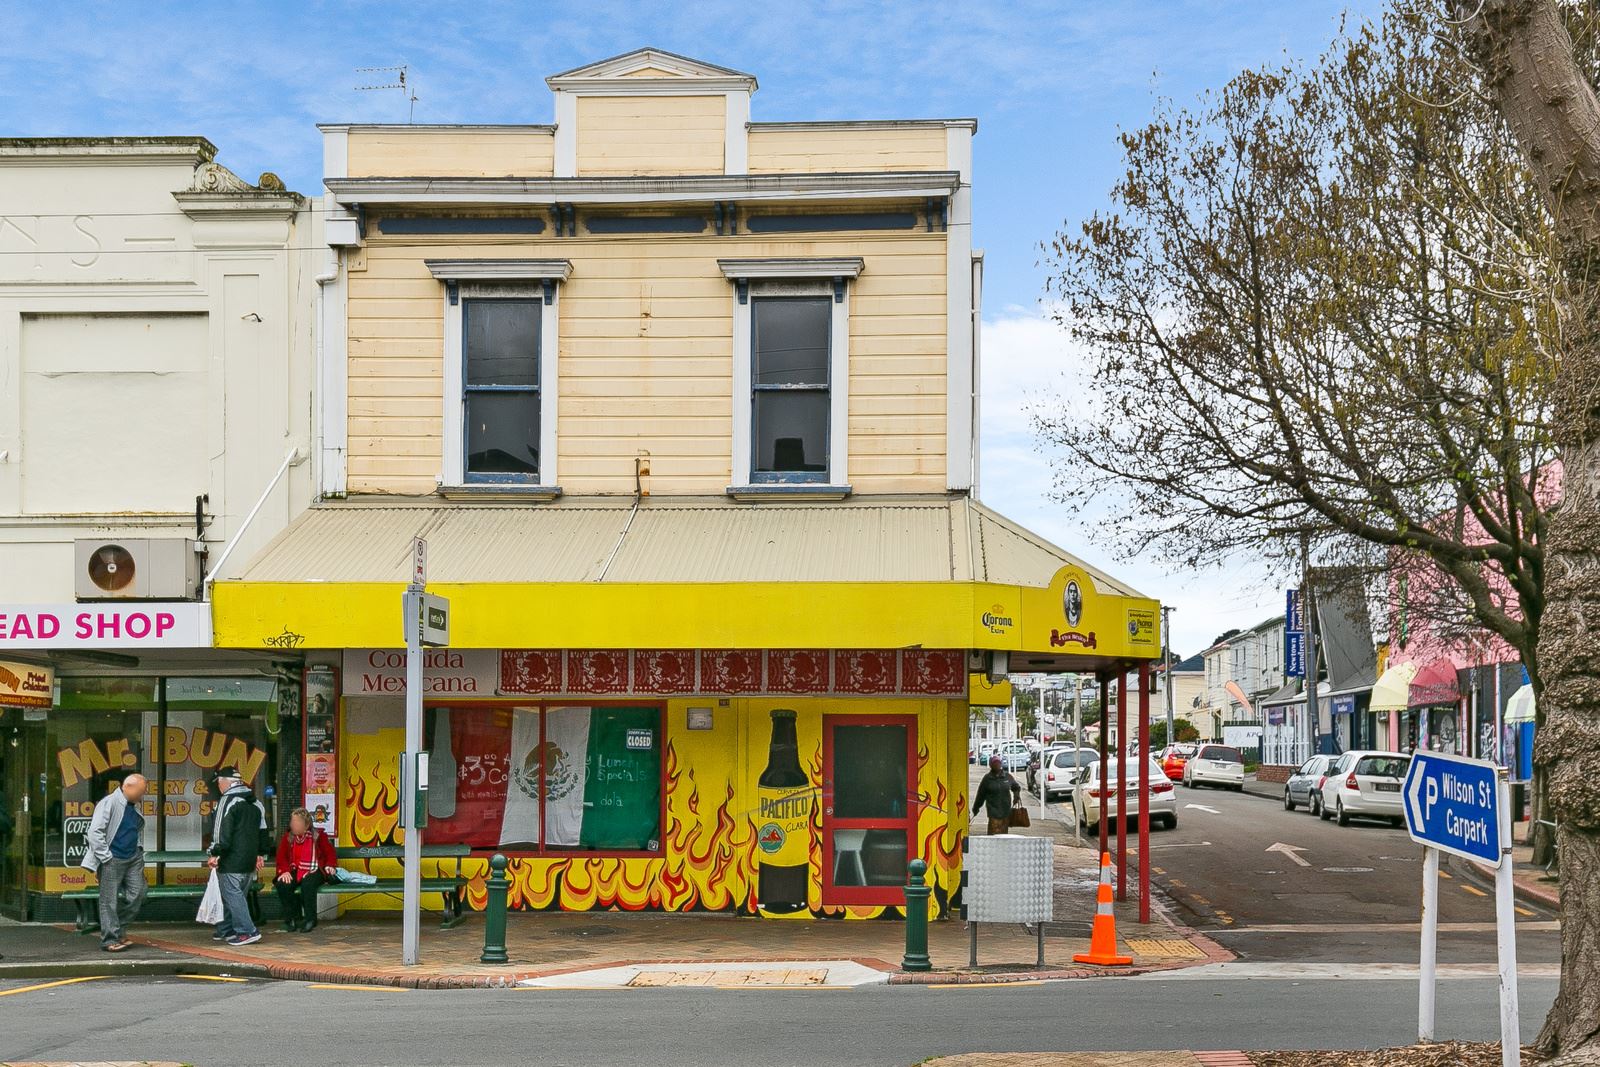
[1506, 934]
[1077, 739]
[1043, 776]
[1430, 942]
[411, 895]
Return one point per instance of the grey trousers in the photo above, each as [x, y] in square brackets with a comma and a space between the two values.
[235, 904]
[122, 890]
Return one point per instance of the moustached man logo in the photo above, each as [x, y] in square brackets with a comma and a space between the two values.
[1072, 604]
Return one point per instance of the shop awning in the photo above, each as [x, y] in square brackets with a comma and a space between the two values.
[1345, 633]
[932, 572]
[1287, 694]
[1392, 691]
[1434, 684]
[1521, 706]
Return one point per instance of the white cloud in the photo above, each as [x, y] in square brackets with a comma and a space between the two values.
[1028, 361]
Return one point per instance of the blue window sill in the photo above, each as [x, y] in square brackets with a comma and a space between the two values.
[789, 491]
[500, 491]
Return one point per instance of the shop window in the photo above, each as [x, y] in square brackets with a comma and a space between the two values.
[548, 779]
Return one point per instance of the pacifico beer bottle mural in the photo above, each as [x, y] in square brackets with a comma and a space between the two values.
[783, 823]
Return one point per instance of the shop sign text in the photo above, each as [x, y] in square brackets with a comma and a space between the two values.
[445, 672]
[204, 748]
[181, 625]
[24, 685]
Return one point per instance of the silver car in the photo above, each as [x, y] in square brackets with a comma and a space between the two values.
[1366, 784]
[1304, 785]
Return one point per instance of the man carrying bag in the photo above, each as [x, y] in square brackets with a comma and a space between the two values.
[239, 844]
[999, 793]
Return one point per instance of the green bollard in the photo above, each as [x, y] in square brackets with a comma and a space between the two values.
[917, 890]
[494, 913]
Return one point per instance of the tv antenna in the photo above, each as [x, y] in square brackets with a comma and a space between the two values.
[399, 79]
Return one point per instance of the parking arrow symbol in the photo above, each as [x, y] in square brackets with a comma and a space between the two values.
[1413, 800]
[1292, 851]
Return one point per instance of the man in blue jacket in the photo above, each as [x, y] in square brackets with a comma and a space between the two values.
[239, 843]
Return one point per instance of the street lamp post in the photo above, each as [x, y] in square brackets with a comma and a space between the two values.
[1166, 659]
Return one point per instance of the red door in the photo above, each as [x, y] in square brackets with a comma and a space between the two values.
[869, 807]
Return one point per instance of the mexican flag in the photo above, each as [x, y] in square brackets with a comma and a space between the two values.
[590, 777]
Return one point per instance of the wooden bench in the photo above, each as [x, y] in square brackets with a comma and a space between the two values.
[453, 888]
[87, 901]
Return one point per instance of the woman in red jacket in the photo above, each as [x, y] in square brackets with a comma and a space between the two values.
[305, 860]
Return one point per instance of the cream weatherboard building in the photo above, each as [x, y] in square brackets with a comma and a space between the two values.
[683, 405]
[156, 334]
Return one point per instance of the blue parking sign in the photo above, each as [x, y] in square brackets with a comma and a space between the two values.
[1453, 804]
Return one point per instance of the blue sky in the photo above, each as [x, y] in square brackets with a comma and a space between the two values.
[1050, 83]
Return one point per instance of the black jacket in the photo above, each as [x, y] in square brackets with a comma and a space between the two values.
[996, 791]
[241, 833]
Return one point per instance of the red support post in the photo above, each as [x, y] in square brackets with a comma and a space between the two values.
[1144, 791]
[1120, 757]
[1105, 709]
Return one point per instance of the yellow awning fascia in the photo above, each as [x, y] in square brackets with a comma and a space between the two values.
[976, 615]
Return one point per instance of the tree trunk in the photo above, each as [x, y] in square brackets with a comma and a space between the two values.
[1529, 69]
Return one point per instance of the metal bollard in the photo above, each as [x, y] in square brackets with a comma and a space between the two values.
[494, 912]
[917, 891]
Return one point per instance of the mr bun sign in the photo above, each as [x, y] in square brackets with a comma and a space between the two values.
[146, 625]
[26, 685]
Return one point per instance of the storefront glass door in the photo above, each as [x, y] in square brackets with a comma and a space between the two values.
[869, 807]
[21, 754]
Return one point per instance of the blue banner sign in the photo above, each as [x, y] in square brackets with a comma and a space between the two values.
[1293, 619]
[1453, 804]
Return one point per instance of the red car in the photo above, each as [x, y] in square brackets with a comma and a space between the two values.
[1173, 757]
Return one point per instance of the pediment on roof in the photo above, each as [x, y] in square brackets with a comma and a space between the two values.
[644, 65]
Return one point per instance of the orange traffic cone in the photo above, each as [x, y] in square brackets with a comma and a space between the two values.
[1103, 938]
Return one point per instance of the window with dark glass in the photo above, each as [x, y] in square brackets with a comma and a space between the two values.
[500, 345]
[790, 399]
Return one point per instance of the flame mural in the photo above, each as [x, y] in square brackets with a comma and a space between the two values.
[708, 858]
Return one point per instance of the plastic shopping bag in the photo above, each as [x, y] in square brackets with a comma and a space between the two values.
[211, 904]
[355, 877]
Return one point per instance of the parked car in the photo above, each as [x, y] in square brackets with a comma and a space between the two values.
[1366, 783]
[1305, 784]
[981, 753]
[1014, 755]
[1064, 769]
[1173, 757]
[1219, 765]
[1042, 758]
[1092, 796]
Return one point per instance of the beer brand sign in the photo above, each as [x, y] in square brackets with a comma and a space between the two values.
[23, 685]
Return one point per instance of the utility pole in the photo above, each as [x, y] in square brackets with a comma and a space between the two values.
[1166, 659]
[1313, 661]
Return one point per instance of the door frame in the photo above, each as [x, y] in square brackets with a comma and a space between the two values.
[867, 895]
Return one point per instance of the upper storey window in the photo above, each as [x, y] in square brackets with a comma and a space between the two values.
[501, 388]
[790, 387]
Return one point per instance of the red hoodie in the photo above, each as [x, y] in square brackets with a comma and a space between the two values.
[311, 853]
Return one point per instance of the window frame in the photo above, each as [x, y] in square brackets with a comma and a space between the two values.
[773, 291]
[755, 279]
[544, 706]
[502, 294]
[488, 279]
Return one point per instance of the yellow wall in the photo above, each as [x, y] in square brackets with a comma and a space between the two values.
[812, 150]
[452, 153]
[651, 135]
[709, 859]
[646, 351]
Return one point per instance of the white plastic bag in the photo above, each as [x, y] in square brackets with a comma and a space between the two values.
[211, 904]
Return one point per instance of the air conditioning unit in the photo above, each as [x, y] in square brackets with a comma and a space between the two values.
[148, 568]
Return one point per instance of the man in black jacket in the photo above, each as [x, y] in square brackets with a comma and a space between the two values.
[239, 843]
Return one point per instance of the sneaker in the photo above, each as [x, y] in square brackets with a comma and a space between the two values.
[239, 940]
[220, 936]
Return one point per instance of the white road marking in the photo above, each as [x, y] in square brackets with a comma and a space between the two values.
[1292, 851]
[1182, 844]
[1320, 972]
[1202, 807]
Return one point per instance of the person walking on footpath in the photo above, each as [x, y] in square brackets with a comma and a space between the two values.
[239, 843]
[305, 860]
[998, 792]
[114, 850]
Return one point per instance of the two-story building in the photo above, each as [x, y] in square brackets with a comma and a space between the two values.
[155, 383]
[683, 405]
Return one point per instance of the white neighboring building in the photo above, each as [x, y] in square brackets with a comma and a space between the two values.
[156, 352]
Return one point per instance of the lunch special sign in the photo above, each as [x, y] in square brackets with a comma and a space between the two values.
[182, 624]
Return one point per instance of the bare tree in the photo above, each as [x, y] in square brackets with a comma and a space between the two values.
[1529, 70]
[1324, 301]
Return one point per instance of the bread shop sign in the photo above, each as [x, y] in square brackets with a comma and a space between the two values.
[134, 625]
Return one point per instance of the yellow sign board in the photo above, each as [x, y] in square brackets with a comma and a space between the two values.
[25, 685]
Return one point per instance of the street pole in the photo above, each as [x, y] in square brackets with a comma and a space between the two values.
[1077, 739]
[1144, 792]
[1120, 756]
[1041, 779]
[1506, 932]
[411, 891]
[1312, 662]
[1166, 658]
[1430, 942]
